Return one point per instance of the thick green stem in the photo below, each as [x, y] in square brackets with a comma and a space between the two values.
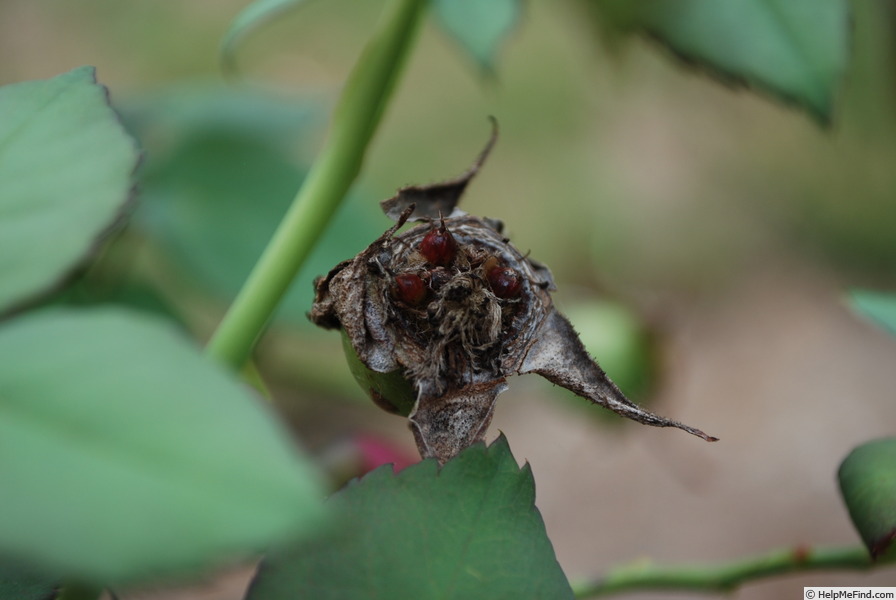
[724, 577]
[354, 122]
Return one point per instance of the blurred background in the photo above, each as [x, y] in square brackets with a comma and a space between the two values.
[702, 238]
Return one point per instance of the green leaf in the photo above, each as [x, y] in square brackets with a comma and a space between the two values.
[479, 26]
[20, 582]
[65, 173]
[469, 530]
[877, 306]
[794, 49]
[253, 17]
[126, 453]
[868, 484]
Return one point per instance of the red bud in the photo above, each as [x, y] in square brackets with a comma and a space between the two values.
[409, 288]
[438, 246]
[504, 281]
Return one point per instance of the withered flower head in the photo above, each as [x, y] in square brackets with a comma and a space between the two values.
[436, 318]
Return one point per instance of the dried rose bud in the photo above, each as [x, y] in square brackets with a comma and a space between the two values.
[486, 319]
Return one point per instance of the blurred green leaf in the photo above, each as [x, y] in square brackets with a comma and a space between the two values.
[469, 530]
[615, 336]
[111, 288]
[130, 454]
[251, 18]
[165, 118]
[868, 484]
[19, 582]
[216, 188]
[65, 174]
[479, 26]
[794, 49]
[877, 306]
[212, 204]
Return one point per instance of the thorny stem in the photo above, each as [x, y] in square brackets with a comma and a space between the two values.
[353, 124]
[723, 577]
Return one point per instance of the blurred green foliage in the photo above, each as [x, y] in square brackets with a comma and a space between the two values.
[23, 583]
[618, 167]
[879, 307]
[219, 174]
[114, 414]
[479, 27]
[794, 49]
[88, 158]
[622, 344]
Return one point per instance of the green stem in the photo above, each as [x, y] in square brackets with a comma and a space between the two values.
[354, 122]
[723, 577]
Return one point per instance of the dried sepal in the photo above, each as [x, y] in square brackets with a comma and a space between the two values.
[438, 199]
[446, 424]
[486, 314]
[559, 356]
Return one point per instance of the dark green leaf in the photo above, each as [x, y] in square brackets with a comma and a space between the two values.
[479, 26]
[254, 16]
[126, 453]
[879, 307]
[868, 484]
[65, 172]
[21, 582]
[795, 49]
[470, 530]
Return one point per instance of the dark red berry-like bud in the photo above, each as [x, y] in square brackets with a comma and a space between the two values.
[504, 281]
[409, 288]
[438, 246]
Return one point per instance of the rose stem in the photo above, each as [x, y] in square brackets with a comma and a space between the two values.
[354, 121]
